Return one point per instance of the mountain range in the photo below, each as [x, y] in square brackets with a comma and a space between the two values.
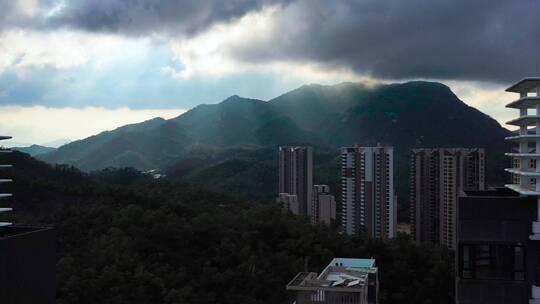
[406, 115]
[34, 150]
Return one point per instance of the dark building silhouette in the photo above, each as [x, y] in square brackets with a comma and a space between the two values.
[27, 265]
[497, 262]
[27, 257]
[296, 176]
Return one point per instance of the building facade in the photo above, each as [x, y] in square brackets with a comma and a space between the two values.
[368, 201]
[438, 176]
[497, 262]
[323, 207]
[343, 281]
[289, 203]
[498, 255]
[296, 175]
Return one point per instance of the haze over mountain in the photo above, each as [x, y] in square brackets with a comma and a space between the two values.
[231, 146]
[413, 114]
[34, 150]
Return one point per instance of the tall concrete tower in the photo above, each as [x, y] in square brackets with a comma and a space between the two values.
[368, 202]
[438, 176]
[296, 175]
[526, 171]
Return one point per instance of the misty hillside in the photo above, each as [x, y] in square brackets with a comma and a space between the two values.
[225, 142]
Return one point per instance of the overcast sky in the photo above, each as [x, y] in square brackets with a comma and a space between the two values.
[69, 69]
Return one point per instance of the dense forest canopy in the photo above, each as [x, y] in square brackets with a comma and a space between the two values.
[124, 237]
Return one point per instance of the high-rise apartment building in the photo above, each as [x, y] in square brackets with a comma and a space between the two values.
[296, 175]
[323, 207]
[438, 176]
[368, 202]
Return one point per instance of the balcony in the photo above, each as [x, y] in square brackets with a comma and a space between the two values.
[524, 102]
[523, 155]
[525, 120]
[524, 138]
[523, 190]
[527, 173]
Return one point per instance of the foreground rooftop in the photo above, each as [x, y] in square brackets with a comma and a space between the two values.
[341, 274]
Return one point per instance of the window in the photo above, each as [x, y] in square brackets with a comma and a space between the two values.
[492, 262]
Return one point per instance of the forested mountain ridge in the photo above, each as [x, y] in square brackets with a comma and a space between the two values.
[412, 114]
[34, 150]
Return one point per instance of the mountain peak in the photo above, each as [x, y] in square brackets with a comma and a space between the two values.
[233, 98]
[236, 100]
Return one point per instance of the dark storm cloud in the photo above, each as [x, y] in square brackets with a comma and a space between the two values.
[139, 17]
[493, 40]
[449, 39]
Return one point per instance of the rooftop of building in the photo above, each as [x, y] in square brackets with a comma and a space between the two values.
[343, 274]
[366, 147]
[293, 147]
[353, 263]
[528, 84]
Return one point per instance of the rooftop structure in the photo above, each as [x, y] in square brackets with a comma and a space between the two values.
[526, 172]
[343, 280]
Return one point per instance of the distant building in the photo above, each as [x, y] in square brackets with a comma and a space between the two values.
[343, 281]
[496, 260]
[296, 175]
[323, 207]
[437, 178]
[368, 202]
[27, 258]
[289, 203]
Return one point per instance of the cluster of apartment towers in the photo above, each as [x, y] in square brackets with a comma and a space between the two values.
[495, 232]
[368, 199]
